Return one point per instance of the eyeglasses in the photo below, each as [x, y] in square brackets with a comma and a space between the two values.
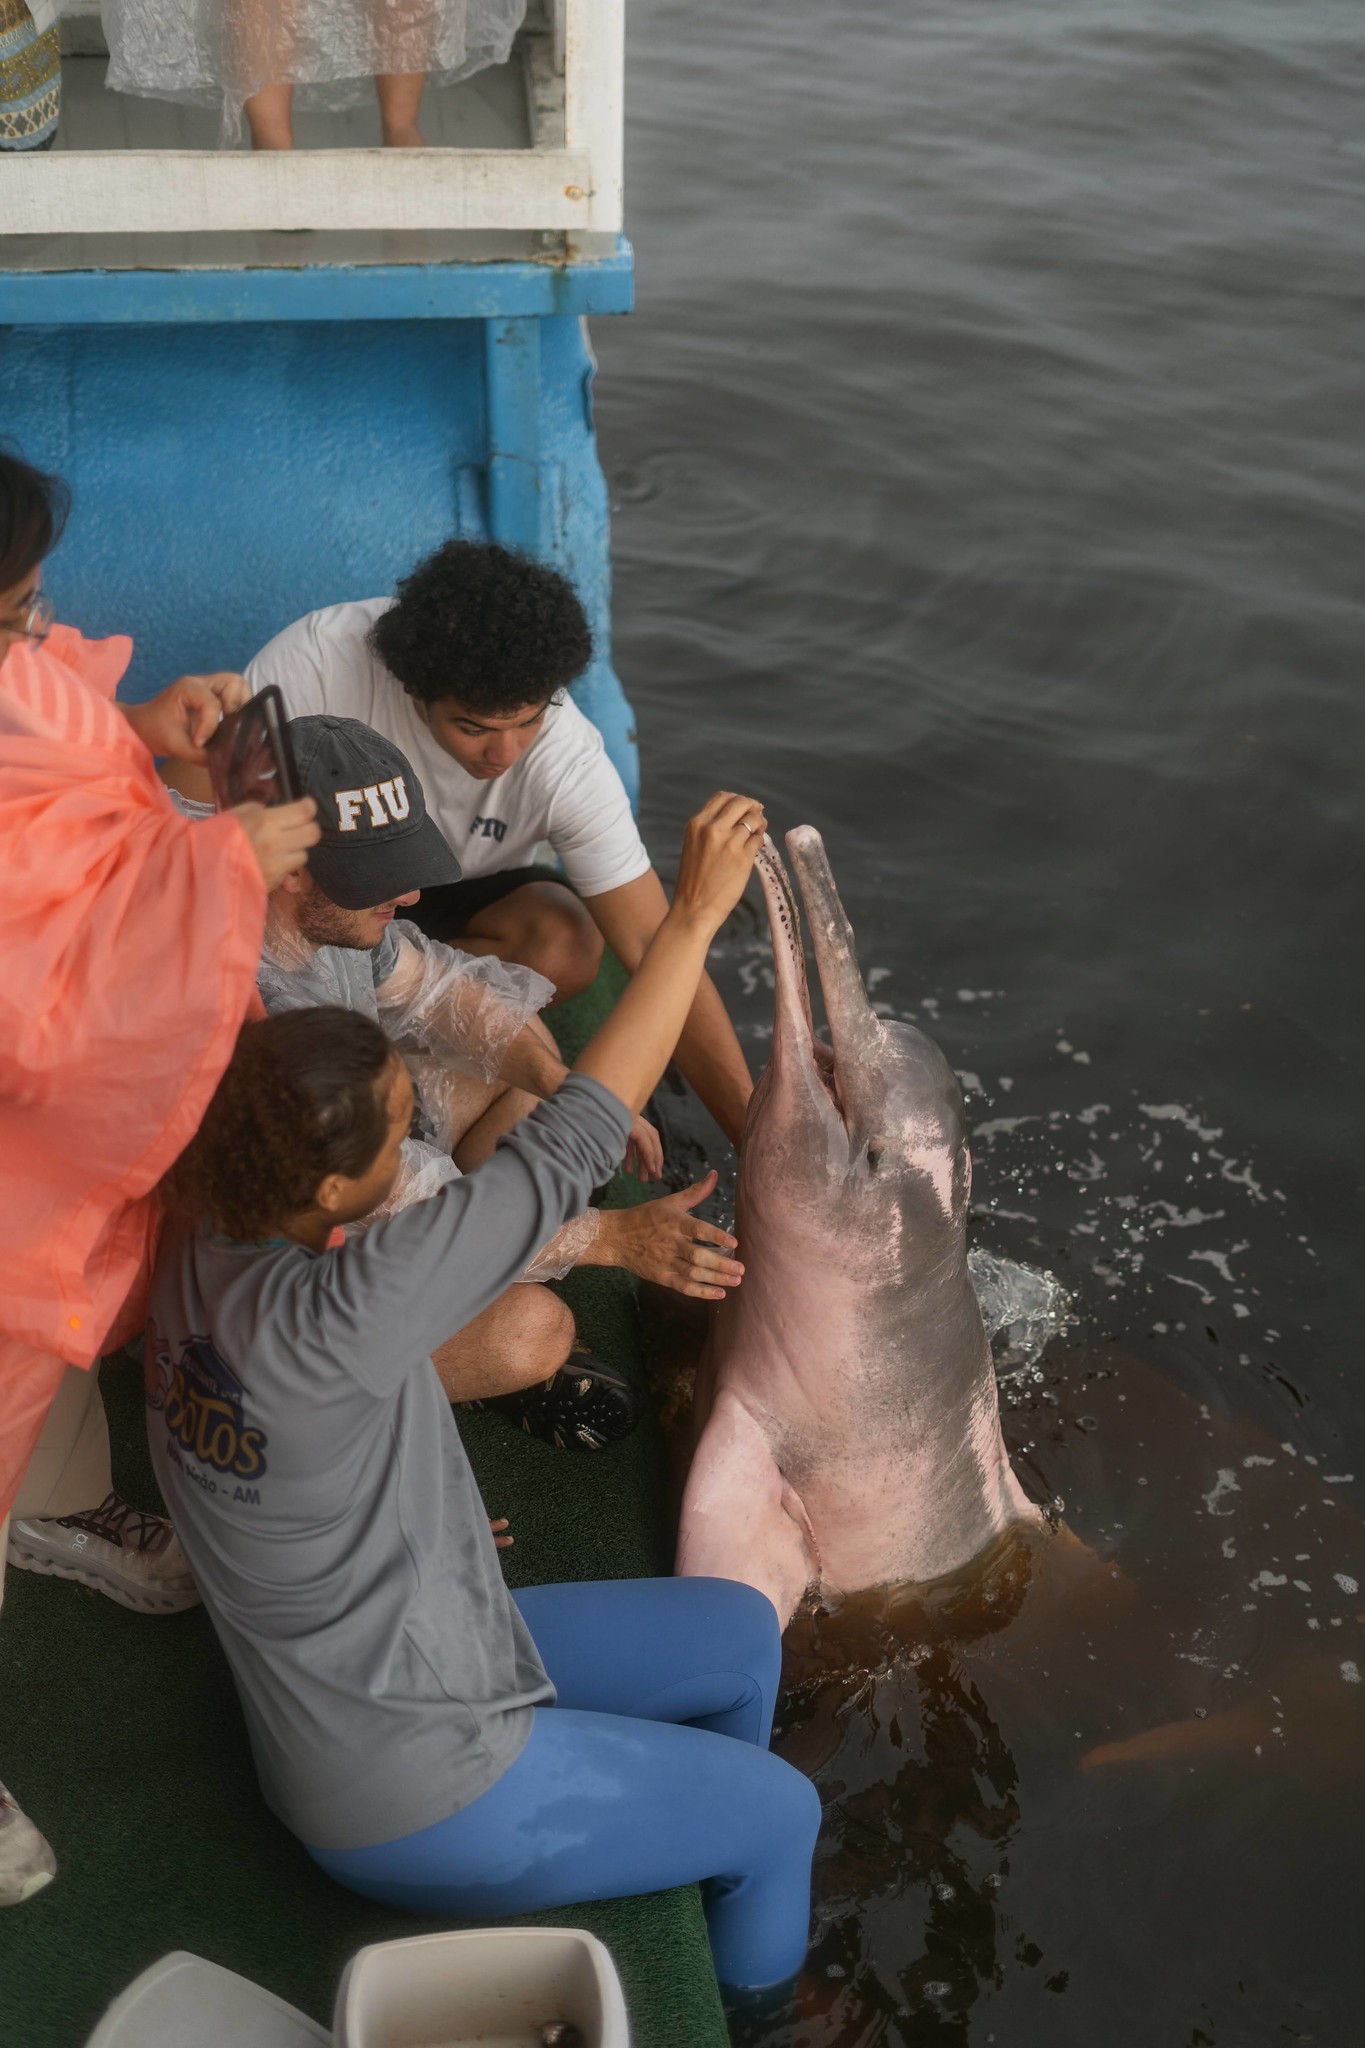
[36, 620]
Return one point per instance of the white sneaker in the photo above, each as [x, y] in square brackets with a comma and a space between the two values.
[26, 1861]
[135, 1558]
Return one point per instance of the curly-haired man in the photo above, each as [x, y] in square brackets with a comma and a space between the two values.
[467, 669]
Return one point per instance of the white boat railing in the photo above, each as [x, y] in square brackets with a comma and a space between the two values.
[568, 181]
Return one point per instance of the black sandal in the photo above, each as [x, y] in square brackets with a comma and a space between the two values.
[582, 1407]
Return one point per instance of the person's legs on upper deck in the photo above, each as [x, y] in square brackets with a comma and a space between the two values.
[400, 102]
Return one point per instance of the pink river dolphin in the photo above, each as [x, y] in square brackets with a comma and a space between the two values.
[849, 1424]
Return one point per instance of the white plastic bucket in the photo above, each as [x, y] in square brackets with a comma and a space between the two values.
[499, 1987]
[184, 2002]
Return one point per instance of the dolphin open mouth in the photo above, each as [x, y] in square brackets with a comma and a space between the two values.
[784, 923]
[894, 1092]
[793, 1024]
[852, 1069]
[856, 1032]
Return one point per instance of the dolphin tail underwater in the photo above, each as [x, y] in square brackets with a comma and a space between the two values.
[849, 1422]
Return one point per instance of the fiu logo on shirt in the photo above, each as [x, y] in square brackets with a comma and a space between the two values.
[386, 802]
[200, 1398]
[489, 828]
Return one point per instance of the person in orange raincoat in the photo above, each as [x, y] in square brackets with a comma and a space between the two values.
[130, 940]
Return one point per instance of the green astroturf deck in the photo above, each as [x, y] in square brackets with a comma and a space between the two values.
[121, 1736]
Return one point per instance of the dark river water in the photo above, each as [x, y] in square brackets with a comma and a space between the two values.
[988, 458]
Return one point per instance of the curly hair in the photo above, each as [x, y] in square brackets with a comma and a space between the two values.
[301, 1097]
[33, 511]
[492, 630]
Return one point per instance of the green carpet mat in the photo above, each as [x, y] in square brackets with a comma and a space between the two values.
[120, 1734]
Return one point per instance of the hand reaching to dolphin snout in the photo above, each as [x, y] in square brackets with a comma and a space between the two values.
[664, 1242]
[718, 852]
[630, 1049]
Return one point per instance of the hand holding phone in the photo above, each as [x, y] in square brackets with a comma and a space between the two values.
[179, 721]
[249, 758]
[279, 837]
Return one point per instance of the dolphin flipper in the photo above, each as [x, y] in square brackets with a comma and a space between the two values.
[740, 1519]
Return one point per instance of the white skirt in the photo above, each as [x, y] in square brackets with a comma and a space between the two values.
[221, 52]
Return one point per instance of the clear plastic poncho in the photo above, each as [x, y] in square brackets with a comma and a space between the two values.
[219, 53]
[464, 1009]
[453, 1016]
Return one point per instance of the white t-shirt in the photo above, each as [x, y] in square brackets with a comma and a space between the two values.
[563, 789]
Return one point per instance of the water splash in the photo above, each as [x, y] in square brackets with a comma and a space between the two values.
[1023, 1308]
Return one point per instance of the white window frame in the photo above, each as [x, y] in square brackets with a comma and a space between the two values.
[573, 187]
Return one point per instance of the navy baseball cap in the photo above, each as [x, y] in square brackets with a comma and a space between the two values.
[377, 840]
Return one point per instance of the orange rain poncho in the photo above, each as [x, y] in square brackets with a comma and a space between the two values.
[129, 941]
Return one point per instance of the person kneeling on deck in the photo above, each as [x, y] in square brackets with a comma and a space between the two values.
[435, 1744]
[467, 670]
[480, 1059]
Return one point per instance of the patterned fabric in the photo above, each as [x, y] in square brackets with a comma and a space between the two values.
[30, 80]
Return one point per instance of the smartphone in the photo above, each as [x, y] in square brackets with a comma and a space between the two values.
[250, 760]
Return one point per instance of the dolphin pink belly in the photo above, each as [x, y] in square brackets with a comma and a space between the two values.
[816, 1464]
[853, 1434]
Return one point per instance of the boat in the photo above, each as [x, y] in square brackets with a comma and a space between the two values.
[274, 380]
[273, 383]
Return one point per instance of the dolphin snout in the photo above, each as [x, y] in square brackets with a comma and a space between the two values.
[853, 1026]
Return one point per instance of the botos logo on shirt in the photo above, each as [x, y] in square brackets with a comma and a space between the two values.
[386, 802]
[201, 1398]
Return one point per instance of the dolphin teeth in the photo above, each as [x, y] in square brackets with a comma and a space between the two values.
[783, 911]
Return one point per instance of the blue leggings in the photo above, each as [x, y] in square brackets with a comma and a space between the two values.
[651, 1770]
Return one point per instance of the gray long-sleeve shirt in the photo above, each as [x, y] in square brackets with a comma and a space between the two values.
[315, 1476]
